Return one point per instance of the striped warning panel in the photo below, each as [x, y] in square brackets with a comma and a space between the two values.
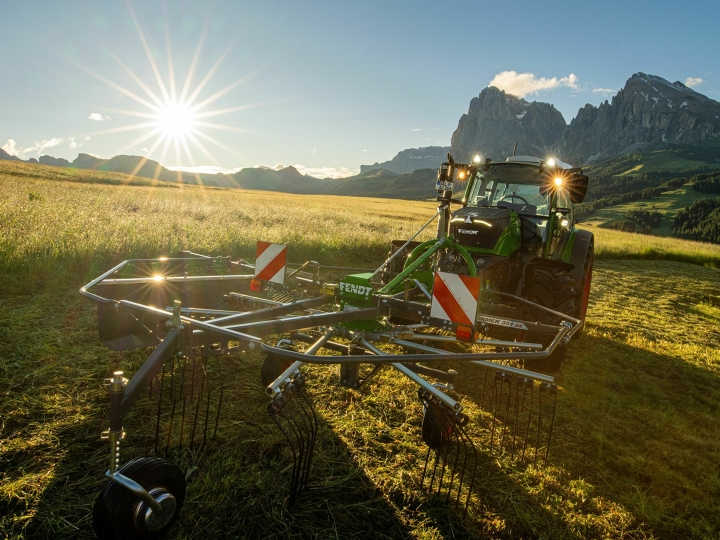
[455, 298]
[270, 261]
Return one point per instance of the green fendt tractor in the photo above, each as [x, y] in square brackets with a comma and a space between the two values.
[515, 229]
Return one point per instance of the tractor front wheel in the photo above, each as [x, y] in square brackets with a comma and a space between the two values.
[119, 514]
[552, 288]
[583, 293]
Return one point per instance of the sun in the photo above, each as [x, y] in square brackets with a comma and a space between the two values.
[175, 120]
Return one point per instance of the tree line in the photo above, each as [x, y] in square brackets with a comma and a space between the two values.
[699, 221]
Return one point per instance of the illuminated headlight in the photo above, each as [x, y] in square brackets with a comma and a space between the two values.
[480, 261]
[564, 223]
[477, 158]
[461, 176]
[551, 162]
[558, 181]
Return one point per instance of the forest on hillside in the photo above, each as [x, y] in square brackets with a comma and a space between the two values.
[699, 221]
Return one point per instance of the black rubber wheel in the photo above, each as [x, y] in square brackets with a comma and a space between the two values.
[119, 514]
[553, 288]
[273, 366]
[583, 291]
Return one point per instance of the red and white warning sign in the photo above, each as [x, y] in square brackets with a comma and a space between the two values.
[270, 261]
[455, 298]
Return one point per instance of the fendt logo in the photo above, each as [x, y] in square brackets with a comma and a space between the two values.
[467, 231]
[355, 289]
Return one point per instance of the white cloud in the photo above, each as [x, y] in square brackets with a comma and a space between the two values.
[314, 150]
[522, 84]
[604, 91]
[693, 81]
[326, 172]
[364, 150]
[417, 129]
[202, 169]
[87, 137]
[12, 148]
[98, 117]
[73, 145]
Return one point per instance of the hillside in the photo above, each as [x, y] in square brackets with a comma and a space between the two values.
[420, 184]
[407, 161]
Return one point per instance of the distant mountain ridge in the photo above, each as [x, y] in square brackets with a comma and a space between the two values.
[648, 111]
[407, 161]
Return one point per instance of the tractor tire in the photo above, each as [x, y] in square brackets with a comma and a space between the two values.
[118, 514]
[553, 288]
[583, 290]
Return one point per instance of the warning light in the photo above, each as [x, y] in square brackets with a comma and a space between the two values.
[464, 333]
[256, 285]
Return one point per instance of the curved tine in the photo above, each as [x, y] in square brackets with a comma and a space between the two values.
[297, 431]
[467, 443]
[495, 400]
[306, 430]
[521, 382]
[482, 394]
[159, 411]
[527, 426]
[297, 451]
[507, 380]
[173, 400]
[552, 423]
[207, 406]
[276, 416]
[455, 439]
[431, 410]
[220, 399]
[539, 424]
[427, 455]
[312, 419]
[314, 416]
[447, 439]
[474, 471]
[183, 397]
[197, 409]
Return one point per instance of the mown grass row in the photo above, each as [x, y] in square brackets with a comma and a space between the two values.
[637, 434]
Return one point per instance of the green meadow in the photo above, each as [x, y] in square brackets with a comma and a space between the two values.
[636, 445]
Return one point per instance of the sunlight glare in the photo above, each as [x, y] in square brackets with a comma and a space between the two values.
[175, 120]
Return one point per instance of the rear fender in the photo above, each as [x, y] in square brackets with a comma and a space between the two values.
[576, 253]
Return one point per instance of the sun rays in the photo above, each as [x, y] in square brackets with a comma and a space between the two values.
[172, 117]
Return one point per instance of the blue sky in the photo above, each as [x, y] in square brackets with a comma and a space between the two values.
[327, 86]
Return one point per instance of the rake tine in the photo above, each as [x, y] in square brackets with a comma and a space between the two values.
[527, 426]
[495, 401]
[220, 399]
[467, 442]
[197, 411]
[482, 394]
[553, 390]
[303, 462]
[160, 393]
[172, 399]
[507, 380]
[520, 383]
[446, 439]
[183, 396]
[276, 413]
[296, 485]
[207, 406]
[540, 411]
[456, 436]
[310, 442]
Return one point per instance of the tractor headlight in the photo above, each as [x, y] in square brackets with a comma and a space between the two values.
[564, 223]
[558, 181]
[477, 158]
[551, 162]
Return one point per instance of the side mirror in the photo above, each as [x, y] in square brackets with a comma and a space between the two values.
[577, 187]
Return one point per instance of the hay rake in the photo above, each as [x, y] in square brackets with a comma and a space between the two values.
[420, 318]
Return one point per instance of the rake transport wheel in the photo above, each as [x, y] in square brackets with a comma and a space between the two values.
[553, 288]
[583, 294]
[273, 366]
[120, 514]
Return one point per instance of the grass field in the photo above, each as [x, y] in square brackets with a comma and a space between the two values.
[637, 439]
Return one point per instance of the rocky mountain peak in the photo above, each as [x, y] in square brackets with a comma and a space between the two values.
[496, 120]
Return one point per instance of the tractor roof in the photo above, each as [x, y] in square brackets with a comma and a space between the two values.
[526, 170]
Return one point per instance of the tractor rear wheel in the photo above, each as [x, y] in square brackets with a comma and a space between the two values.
[583, 292]
[552, 288]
